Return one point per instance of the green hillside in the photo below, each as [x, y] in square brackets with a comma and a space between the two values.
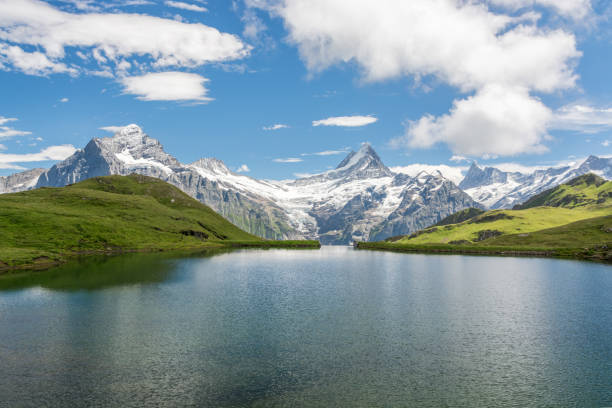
[577, 219]
[579, 192]
[111, 214]
[460, 216]
[503, 222]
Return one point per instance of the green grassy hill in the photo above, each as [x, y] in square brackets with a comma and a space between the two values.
[579, 192]
[110, 214]
[460, 216]
[576, 219]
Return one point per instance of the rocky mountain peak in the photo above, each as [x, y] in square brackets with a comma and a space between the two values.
[131, 145]
[600, 165]
[212, 165]
[364, 163]
[475, 176]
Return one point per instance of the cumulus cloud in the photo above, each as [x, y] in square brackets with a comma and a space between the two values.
[346, 121]
[478, 51]
[32, 63]
[605, 143]
[288, 160]
[64, 100]
[276, 126]
[11, 161]
[185, 6]
[583, 118]
[243, 169]
[496, 120]
[107, 39]
[167, 86]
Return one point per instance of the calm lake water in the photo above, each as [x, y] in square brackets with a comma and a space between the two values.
[334, 327]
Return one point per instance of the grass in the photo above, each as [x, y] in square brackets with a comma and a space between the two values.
[589, 239]
[581, 191]
[507, 222]
[576, 221]
[112, 214]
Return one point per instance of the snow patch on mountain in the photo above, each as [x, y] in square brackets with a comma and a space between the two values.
[495, 188]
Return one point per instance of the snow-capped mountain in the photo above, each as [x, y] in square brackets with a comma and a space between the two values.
[494, 188]
[361, 199]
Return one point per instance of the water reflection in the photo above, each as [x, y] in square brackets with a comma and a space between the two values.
[319, 328]
[100, 272]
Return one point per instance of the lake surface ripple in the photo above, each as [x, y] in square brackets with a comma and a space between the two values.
[334, 327]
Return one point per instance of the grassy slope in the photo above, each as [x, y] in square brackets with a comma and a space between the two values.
[517, 222]
[579, 223]
[586, 239]
[582, 191]
[460, 216]
[110, 214]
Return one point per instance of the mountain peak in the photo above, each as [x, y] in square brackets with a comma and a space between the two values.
[211, 164]
[364, 163]
[365, 152]
[474, 166]
[130, 131]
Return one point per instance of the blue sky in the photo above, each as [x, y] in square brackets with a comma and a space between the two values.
[525, 82]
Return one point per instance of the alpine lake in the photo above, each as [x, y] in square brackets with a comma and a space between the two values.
[328, 327]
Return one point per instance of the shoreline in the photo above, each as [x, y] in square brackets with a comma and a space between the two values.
[601, 254]
[45, 261]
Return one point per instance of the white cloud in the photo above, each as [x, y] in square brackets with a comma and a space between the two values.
[304, 175]
[61, 152]
[327, 152]
[460, 43]
[111, 129]
[276, 126]
[458, 158]
[32, 63]
[576, 9]
[64, 100]
[496, 120]
[453, 173]
[583, 118]
[108, 38]
[520, 168]
[4, 120]
[243, 169]
[2, 147]
[605, 143]
[167, 86]
[7, 132]
[185, 6]
[253, 25]
[288, 160]
[346, 121]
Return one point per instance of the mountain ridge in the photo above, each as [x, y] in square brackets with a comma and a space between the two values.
[361, 199]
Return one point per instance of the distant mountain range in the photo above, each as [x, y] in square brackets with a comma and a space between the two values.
[495, 189]
[361, 199]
